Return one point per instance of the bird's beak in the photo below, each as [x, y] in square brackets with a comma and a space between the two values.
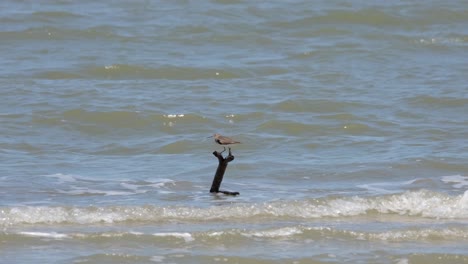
[209, 136]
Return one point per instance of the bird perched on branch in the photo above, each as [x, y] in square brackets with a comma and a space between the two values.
[222, 140]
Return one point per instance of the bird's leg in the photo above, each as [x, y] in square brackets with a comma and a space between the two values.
[229, 151]
[223, 150]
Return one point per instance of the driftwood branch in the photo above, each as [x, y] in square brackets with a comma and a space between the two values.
[218, 178]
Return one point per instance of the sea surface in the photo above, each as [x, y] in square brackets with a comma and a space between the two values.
[353, 118]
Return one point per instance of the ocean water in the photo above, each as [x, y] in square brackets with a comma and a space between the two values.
[353, 118]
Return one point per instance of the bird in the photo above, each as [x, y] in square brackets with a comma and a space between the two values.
[222, 140]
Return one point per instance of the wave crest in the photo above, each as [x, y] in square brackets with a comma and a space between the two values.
[422, 203]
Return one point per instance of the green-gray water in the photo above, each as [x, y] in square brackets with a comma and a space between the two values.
[353, 118]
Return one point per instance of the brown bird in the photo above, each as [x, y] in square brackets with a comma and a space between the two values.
[222, 140]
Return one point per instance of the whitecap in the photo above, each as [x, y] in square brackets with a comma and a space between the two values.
[53, 235]
[62, 178]
[423, 203]
[275, 233]
[174, 115]
[158, 259]
[187, 237]
[457, 181]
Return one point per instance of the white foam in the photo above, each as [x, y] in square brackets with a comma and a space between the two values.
[53, 215]
[280, 232]
[412, 234]
[88, 191]
[375, 188]
[405, 235]
[174, 115]
[44, 235]
[457, 181]
[111, 67]
[421, 203]
[133, 187]
[162, 183]
[398, 235]
[153, 184]
[63, 178]
[158, 259]
[387, 187]
[185, 236]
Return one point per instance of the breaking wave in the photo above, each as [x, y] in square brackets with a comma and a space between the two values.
[423, 203]
[287, 232]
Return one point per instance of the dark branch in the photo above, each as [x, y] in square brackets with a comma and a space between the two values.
[218, 178]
